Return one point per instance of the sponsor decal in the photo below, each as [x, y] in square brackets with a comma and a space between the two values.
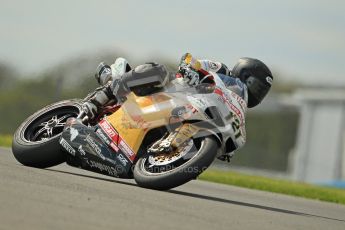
[214, 66]
[109, 130]
[74, 133]
[191, 108]
[134, 122]
[140, 122]
[239, 100]
[94, 146]
[222, 96]
[103, 136]
[231, 105]
[198, 101]
[81, 150]
[126, 150]
[107, 139]
[237, 112]
[67, 146]
[114, 147]
[111, 161]
[103, 167]
[269, 80]
[122, 159]
[116, 142]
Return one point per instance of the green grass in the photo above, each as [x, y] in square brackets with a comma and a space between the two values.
[276, 186]
[5, 140]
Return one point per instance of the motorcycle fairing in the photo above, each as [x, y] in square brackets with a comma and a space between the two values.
[222, 109]
[112, 145]
[88, 149]
[138, 115]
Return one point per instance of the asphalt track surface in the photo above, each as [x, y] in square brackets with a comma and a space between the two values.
[63, 197]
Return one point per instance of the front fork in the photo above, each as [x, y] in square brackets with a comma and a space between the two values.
[175, 139]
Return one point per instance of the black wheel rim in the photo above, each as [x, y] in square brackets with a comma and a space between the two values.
[49, 124]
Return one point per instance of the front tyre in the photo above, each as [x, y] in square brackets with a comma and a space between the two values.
[36, 141]
[166, 172]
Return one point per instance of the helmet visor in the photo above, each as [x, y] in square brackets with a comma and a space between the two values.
[257, 88]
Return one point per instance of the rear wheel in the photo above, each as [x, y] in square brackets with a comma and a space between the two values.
[164, 171]
[36, 141]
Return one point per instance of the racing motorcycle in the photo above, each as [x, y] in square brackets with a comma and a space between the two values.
[162, 140]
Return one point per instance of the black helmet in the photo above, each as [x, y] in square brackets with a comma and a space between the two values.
[256, 76]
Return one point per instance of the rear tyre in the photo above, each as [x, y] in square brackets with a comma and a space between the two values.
[36, 141]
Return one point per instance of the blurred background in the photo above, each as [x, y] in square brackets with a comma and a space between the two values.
[50, 49]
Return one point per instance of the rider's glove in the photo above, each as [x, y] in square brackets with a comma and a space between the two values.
[190, 76]
[183, 62]
[188, 68]
[188, 60]
[103, 73]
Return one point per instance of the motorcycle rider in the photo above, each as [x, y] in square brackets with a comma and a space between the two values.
[250, 78]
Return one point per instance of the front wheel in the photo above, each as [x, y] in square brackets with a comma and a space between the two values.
[36, 141]
[166, 171]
